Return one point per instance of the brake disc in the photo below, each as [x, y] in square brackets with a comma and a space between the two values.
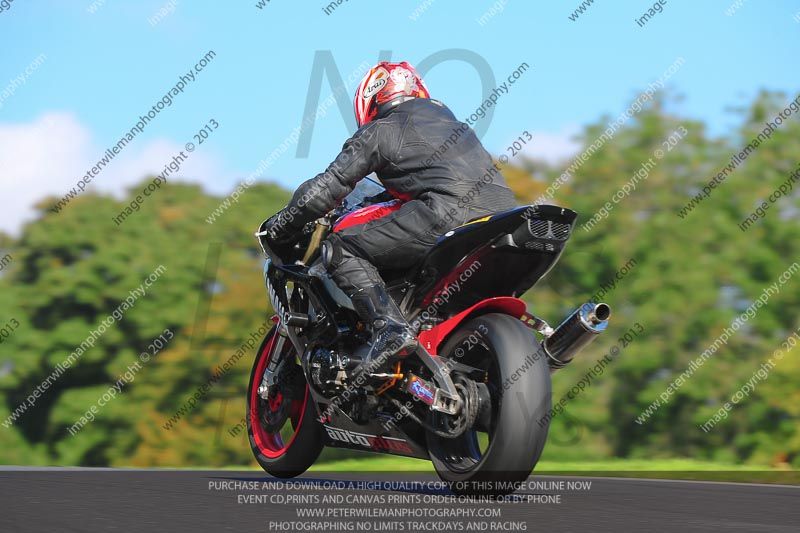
[277, 407]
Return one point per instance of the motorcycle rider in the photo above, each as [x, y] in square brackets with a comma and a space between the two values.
[422, 155]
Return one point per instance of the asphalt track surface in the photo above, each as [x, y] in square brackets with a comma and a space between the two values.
[46, 499]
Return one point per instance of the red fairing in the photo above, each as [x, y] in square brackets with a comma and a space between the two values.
[432, 338]
[367, 214]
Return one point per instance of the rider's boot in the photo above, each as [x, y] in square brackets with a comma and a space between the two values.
[392, 336]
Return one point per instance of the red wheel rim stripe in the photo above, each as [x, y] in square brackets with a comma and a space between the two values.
[271, 445]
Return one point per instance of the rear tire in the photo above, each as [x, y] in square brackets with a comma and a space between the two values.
[289, 450]
[518, 382]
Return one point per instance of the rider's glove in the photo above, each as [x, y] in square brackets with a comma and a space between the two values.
[280, 229]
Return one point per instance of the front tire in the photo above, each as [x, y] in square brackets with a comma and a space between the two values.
[283, 431]
[496, 459]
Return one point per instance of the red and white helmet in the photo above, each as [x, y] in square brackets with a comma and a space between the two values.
[384, 83]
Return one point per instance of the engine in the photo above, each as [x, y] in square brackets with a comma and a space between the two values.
[330, 370]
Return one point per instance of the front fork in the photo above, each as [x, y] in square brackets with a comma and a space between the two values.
[268, 380]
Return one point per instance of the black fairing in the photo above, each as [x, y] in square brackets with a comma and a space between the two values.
[502, 255]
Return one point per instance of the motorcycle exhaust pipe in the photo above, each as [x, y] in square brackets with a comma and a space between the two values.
[575, 333]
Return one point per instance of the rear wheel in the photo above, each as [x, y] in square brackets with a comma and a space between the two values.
[284, 434]
[504, 444]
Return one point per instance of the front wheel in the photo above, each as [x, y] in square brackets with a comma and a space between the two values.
[504, 444]
[284, 434]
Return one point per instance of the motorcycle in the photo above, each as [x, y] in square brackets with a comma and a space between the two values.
[474, 398]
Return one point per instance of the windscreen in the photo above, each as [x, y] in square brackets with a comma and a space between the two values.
[368, 186]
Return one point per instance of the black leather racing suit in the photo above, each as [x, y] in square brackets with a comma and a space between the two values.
[422, 155]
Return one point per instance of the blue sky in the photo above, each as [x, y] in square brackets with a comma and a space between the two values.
[103, 69]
